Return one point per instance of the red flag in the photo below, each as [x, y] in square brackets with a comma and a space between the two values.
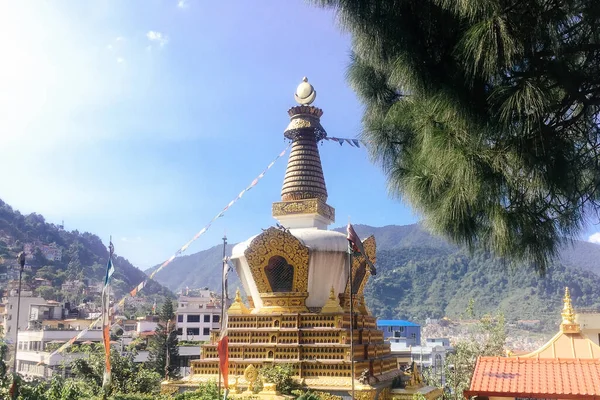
[223, 350]
[223, 344]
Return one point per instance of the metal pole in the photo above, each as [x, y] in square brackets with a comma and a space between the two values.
[351, 315]
[167, 360]
[222, 297]
[21, 260]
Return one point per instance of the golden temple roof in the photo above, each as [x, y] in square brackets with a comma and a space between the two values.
[332, 305]
[569, 342]
[238, 307]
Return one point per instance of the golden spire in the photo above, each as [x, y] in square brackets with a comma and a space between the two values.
[304, 192]
[568, 324]
[238, 307]
[332, 305]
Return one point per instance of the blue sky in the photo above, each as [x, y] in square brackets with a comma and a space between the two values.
[143, 119]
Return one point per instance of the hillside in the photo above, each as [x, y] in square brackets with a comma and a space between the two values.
[421, 275]
[202, 269]
[56, 256]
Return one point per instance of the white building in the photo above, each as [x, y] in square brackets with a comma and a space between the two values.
[197, 316]
[34, 359]
[432, 355]
[9, 318]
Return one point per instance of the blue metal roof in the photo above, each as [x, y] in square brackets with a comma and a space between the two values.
[395, 322]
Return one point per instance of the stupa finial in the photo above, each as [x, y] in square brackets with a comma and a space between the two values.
[238, 307]
[331, 294]
[568, 323]
[305, 93]
[304, 193]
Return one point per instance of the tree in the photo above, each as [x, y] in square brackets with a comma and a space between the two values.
[163, 345]
[127, 375]
[483, 114]
[487, 340]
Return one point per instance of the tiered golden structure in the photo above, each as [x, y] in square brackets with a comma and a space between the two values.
[296, 280]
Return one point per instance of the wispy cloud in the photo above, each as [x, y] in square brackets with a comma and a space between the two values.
[157, 37]
[183, 4]
[594, 238]
[120, 60]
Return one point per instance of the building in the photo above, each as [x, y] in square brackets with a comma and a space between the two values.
[296, 278]
[398, 328]
[197, 316]
[567, 367]
[34, 355]
[9, 318]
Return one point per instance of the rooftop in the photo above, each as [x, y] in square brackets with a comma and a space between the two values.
[551, 378]
[395, 322]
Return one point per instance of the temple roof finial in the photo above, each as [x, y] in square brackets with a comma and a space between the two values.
[568, 323]
[238, 307]
[305, 93]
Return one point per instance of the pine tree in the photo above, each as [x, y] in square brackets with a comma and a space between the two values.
[483, 114]
[165, 338]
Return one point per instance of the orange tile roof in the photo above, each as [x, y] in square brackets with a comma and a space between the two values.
[529, 377]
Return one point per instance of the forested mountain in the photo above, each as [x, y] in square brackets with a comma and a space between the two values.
[75, 257]
[421, 275]
[198, 270]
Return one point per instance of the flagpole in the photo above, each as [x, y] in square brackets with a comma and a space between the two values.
[351, 317]
[223, 296]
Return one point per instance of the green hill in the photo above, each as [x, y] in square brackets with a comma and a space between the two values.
[421, 275]
[198, 270]
[80, 256]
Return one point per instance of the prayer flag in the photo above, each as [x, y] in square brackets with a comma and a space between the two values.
[355, 245]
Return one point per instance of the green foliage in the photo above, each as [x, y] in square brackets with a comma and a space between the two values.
[127, 376]
[483, 114]
[281, 375]
[205, 391]
[310, 395]
[487, 340]
[163, 345]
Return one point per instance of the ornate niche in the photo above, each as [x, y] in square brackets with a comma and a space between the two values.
[278, 262]
[360, 277]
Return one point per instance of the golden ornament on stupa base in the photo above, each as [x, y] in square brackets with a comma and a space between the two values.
[295, 277]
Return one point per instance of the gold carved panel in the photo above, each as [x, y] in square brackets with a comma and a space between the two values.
[275, 242]
[371, 250]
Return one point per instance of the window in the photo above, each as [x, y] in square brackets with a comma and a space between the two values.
[413, 335]
[206, 317]
[180, 331]
[180, 318]
[193, 318]
[193, 331]
[401, 329]
[206, 331]
[216, 318]
[280, 274]
[390, 328]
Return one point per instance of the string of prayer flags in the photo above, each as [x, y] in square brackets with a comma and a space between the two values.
[341, 141]
[142, 284]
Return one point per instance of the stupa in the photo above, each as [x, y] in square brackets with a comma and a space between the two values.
[295, 277]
